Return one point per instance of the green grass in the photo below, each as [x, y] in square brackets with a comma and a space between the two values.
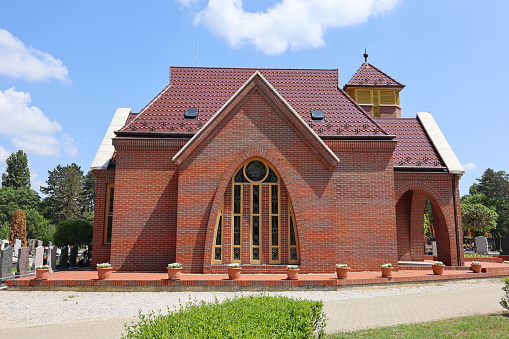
[257, 316]
[474, 327]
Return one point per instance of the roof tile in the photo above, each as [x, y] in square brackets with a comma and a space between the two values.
[208, 89]
[369, 75]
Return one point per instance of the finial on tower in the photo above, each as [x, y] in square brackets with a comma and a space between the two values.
[365, 55]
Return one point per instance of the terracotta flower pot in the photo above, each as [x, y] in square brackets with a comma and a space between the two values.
[42, 273]
[438, 269]
[386, 271]
[342, 272]
[174, 273]
[476, 268]
[234, 273]
[293, 274]
[104, 273]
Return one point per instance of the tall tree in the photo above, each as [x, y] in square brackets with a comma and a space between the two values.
[10, 200]
[64, 192]
[478, 218]
[88, 192]
[492, 190]
[17, 173]
[18, 228]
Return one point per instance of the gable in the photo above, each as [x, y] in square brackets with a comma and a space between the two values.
[259, 84]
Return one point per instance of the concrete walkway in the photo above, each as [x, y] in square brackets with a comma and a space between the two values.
[344, 315]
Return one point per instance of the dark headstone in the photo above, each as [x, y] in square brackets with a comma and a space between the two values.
[73, 256]
[64, 257]
[504, 243]
[23, 259]
[52, 258]
[6, 264]
[89, 252]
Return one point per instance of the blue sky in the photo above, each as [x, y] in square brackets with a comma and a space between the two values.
[65, 66]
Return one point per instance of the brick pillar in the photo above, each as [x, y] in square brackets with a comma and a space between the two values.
[417, 226]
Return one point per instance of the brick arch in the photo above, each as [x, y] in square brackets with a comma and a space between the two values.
[281, 169]
[442, 217]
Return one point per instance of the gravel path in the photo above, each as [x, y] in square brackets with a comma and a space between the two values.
[20, 309]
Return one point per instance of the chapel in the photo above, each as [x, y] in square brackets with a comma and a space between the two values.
[270, 167]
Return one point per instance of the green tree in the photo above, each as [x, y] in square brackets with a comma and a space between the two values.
[73, 232]
[38, 227]
[492, 190]
[64, 192]
[17, 173]
[478, 217]
[10, 200]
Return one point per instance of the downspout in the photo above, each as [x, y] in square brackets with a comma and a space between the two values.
[458, 253]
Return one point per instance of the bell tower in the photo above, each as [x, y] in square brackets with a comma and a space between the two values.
[376, 92]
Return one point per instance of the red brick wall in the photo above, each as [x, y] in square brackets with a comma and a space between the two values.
[100, 251]
[403, 213]
[363, 203]
[144, 222]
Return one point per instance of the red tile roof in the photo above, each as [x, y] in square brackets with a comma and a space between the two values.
[414, 147]
[369, 75]
[208, 89]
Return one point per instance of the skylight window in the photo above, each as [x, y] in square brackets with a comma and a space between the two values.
[317, 114]
[191, 113]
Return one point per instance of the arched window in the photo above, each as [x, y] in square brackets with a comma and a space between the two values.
[251, 227]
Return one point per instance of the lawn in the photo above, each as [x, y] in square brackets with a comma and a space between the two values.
[479, 326]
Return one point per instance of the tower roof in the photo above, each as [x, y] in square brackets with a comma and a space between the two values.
[369, 75]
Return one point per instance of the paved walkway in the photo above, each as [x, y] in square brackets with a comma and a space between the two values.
[344, 315]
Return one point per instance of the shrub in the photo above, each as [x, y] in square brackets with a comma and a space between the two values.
[73, 232]
[505, 299]
[18, 228]
[341, 265]
[257, 316]
[104, 265]
[175, 265]
[234, 265]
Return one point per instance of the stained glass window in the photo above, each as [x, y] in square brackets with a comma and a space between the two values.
[256, 170]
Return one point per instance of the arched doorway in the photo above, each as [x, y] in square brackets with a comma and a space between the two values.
[256, 224]
[410, 219]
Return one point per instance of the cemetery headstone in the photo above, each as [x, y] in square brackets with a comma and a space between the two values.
[73, 256]
[31, 246]
[38, 257]
[504, 243]
[434, 247]
[6, 264]
[64, 257]
[22, 266]
[52, 258]
[17, 246]
[89, 251]
[39, 243]
[5, 244]
[481, 243]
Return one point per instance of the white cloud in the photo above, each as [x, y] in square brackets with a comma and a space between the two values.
[186, 2]
[294, 24]
[20, 61]
[35, 182]
[4, 154]
[28, 127]
[470, 166]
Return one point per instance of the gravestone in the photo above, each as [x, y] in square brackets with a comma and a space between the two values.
[22, 266]
[434, 247]
[504, 243]
[73, 256]
[38, 257]
[31, 246]
[481, 243]
[17, 246]
[89, 252]
[64, 256]
[39, 243]
[6, 264]
[52, 258]
[5, 244]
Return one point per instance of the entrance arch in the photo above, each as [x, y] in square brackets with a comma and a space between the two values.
[410, 226]
[256, 224]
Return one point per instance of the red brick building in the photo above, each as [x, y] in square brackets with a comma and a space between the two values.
[268, 167]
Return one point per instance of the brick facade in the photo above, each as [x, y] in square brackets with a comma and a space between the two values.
[360, 211]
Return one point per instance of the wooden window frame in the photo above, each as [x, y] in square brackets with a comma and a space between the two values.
[108, 213]
[233, 246]
[278, 261]
[220, 217]
[291, 215]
